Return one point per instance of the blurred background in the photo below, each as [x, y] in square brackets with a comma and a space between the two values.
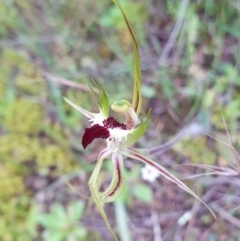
[190, 54]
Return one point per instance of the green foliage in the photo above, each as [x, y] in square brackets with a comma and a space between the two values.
[231, 113]
[143, 193]
[2, 86]
[172, 7]
[13, 216]
[113, 18]
[148, 91]
[8, 18]
[60, 224]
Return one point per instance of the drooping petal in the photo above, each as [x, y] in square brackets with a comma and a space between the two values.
[96, 131]
[118, 179]
[137, 96]
[94, 189]
[164, 172]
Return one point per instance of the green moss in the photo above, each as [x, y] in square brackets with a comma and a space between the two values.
[18, 148]
[55, 132]
[11, 183]
[31, 84]
[196, 151]
[54, 155]
[230, 112]
[23, 116]
[18, 68]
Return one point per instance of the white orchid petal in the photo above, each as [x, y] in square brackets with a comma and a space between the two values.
[80, 109]
[95, 118]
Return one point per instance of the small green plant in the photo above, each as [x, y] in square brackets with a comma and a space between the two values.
[62, 224]
[143, 192]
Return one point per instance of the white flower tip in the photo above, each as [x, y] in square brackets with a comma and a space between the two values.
[149, 173]
[184, 218]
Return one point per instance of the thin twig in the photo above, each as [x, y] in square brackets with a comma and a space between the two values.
[229, 136]
[216, 169]
[225, 125]
[6, 43]
[192, 129]
[206, 197]
[227, 216]
[208, 173]
[66, 82]
[174, 33]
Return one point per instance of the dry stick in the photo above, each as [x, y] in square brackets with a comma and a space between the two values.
[156, 227]
[66, 82]
[163, 217]
[205, 197]
[174, 33]
[224, 171]
[230, 146]
[225, 125]
[190, 130]
[229, 136]
[6, 43]
[235, 166]
[227, 216]
[209, 173]
[75, 190]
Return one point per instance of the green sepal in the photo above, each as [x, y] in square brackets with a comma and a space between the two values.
[137, 133]
[137, 96]
[101, 99]
[94, 189]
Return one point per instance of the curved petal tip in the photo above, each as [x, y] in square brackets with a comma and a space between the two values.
[96, 131]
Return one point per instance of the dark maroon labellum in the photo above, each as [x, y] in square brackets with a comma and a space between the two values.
[96, 131]
[110, 122]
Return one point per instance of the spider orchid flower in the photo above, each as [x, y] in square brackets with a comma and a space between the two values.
[119, 137]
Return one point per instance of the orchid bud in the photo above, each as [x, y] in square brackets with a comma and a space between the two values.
[121, 106]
